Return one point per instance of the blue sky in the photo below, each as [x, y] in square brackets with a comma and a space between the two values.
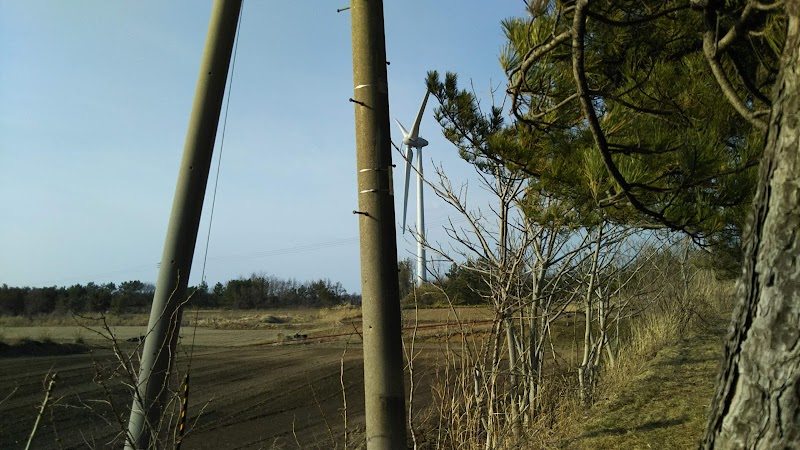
[95, 98]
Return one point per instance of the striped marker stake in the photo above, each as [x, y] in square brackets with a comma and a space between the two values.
[184, 408]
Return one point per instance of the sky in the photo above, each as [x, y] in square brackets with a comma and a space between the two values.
[95, 98]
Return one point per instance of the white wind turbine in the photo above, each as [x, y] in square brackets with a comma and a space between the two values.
[412, 140]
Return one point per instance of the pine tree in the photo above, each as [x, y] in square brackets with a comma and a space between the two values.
[616, 105]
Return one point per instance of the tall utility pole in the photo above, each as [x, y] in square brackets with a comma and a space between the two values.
[187, 205]
[383, 357]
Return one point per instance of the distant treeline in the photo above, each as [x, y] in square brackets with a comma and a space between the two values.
[459, 286]
[257, 291]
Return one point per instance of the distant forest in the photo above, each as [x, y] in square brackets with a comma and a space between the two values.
[459, 286]
[257, 291]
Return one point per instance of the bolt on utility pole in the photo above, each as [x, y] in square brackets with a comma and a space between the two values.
[187, 205]
[383, 357]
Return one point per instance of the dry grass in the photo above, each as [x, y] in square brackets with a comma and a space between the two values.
[662, 404]
[61, 320]
[273, 318]
[339, 315]
[657, 395]
[224, 327]
[239, 322]
[45, 335]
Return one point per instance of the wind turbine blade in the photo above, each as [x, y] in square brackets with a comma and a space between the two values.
[415, 129]
[409, 159]
[402, 128]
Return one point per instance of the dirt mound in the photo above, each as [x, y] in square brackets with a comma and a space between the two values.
[274, 319]
[27, 347]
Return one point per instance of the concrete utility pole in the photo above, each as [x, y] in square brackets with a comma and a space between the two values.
[383, 357]
[187, 205]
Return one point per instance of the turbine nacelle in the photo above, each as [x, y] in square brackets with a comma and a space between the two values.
[412, 139]
[415, 143]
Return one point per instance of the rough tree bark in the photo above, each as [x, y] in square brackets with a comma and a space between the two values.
[757, 401]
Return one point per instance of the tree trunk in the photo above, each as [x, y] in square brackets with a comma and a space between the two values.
[584, 370]
[494, 368]
[511, 341]
[533, 354]
[757, 401]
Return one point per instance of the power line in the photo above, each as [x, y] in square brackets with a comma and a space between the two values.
[138, 268]
[306, 247]
[287, 250]
[240, 256]
[185, 402]
[221, 145]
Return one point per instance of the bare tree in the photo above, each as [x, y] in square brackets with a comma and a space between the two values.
[519, 263]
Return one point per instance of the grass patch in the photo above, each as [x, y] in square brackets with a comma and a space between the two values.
[77, 337]
[664, 405]
[46, 336]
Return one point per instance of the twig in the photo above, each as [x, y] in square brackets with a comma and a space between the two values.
[47, 394]
[9, 395]
[344, 393]
[322, 412]
[294, 432]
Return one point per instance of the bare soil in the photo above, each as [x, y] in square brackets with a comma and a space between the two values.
[257, 383]
[250, 397]
[249, 388]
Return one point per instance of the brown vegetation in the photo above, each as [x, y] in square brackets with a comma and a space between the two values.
[243, 390]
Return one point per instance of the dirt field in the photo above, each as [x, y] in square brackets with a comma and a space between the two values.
[257, 388]
[253, 397]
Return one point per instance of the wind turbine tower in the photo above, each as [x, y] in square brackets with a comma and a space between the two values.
[412, 140]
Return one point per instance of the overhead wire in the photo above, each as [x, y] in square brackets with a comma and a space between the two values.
[253, 255]
[138, 268]
[287, 250]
